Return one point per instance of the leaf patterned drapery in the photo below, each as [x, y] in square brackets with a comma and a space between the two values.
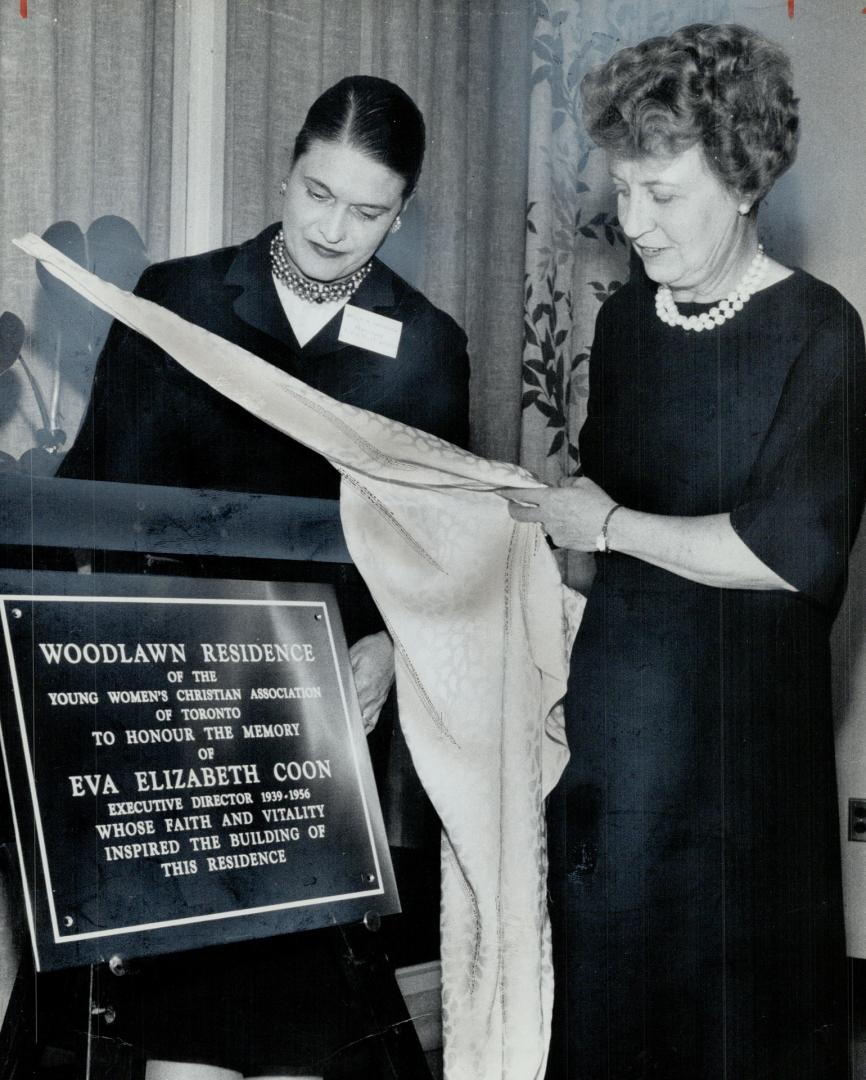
[576, 254]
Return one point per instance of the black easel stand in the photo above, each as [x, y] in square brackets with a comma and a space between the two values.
[372, 982]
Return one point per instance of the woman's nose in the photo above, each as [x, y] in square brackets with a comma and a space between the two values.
[634, 216]
[332, 224]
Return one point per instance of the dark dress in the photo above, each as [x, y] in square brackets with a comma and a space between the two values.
[284, 1004]
[695, 871]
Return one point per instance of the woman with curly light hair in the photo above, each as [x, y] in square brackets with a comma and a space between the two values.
[695, 887]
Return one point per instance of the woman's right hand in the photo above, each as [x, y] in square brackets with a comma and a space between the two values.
[572, 514]
[372, 660]
[704, 549]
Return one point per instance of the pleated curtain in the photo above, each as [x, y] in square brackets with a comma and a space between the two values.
[85, 102]
[467, 65]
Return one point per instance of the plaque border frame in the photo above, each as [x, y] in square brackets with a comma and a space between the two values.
[383, 886]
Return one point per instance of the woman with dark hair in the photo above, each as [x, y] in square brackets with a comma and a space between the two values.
[309, 296]
[696, 891]
[282, 295]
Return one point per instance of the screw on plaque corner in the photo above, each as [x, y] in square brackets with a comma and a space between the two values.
[117, 965]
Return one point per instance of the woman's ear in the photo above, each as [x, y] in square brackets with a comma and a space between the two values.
[397, 223]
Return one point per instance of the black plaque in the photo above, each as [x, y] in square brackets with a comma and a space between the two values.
[186, 763]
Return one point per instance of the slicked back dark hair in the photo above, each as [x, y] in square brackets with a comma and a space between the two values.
[374, 116]
[723, 87]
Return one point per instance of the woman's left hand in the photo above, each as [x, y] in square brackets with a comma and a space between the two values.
[572, 514]
[372, 660]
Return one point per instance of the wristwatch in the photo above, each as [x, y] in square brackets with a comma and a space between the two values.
[601, 540]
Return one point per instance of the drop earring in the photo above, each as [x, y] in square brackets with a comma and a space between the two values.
[396, 224]
[284, 187]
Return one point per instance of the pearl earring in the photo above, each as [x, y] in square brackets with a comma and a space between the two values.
[744, 208]
[396, 224]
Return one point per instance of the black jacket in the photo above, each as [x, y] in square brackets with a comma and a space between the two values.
[151, 422]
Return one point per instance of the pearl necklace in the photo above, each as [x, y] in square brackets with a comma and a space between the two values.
[315, 292]
[735, 301]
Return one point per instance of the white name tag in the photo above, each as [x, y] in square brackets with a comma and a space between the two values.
[377, 333]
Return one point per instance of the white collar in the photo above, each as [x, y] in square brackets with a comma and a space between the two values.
[306, 319]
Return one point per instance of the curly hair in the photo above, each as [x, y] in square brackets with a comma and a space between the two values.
[723, 87]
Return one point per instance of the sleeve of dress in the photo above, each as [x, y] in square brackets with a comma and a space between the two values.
[452, 422]
[442, 396]
[802, 503]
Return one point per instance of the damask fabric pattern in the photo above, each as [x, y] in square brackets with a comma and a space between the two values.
[482, 628]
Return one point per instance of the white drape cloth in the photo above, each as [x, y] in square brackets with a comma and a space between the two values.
[481, 626]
